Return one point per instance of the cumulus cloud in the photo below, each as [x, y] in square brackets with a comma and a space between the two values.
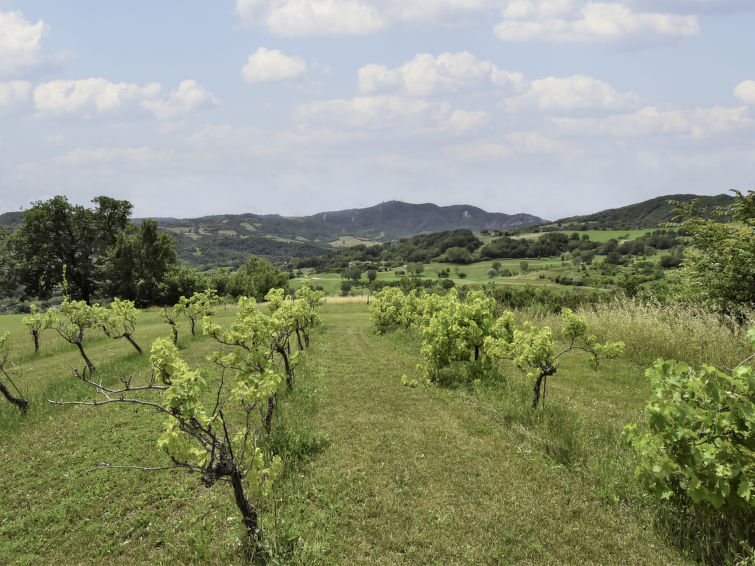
[311, 17]
[357, 17]
[93, 94]
[21, 50]
[697, 123]
[572, 93]
[745, 92]
[427, 75]
[189, 97]
[98, 95]
[588, 22]
[14, 92]
[271, 65]
[392, 113]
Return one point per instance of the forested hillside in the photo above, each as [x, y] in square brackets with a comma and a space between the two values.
[646, 214]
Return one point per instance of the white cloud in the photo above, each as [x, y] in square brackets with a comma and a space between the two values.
[14, 92]
[427, 75]
[461, 121]
[55, 138]
[513, 145]
[398, 115]
[21, 45]
[572, 93]
[745, 92]
[588, 22]
[142, 156]
[311, 17]
[98, 95]
[189, 97]
[533, 142]
[698, 123]
[444, 12]
[357, 17]
[272, 65]
[86, 95]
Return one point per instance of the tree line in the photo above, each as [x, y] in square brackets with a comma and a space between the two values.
[84, 253]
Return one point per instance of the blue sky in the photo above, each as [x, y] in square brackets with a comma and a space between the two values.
[551, 107]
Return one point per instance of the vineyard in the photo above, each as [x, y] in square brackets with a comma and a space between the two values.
[372, 469]
[420, 423]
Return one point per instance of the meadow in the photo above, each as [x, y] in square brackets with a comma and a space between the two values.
[374, 472]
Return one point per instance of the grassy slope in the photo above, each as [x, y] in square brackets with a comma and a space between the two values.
[409, 476]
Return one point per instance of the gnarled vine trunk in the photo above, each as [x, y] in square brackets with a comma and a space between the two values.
[22, 404]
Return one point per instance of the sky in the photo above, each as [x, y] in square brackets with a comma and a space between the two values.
[551, 107]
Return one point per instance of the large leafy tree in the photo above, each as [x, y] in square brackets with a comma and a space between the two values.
[719, 264]
[56, 233]
[138, 262]
[255, 278]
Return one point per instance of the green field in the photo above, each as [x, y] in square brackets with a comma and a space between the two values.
[599, 235]
[376, 473]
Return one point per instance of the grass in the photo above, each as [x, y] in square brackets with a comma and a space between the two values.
[375, 472]
[467, 475]
[599, 235]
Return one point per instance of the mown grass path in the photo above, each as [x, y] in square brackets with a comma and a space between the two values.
[426, 476]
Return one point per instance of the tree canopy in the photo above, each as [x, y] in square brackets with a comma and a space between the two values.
[56, 233]
[138, 262]
[719, 265]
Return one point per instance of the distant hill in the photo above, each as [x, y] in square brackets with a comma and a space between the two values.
[229, 239]
[11, 220]
[646, 214]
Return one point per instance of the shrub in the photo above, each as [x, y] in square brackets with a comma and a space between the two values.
[699, 436]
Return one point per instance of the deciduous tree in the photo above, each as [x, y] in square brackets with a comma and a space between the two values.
[55, 234]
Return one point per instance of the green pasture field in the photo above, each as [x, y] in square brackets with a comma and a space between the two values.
[375, 473]
[348, 241]
[599, 235]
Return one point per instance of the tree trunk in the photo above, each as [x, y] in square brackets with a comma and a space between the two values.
[248, 511]
[88, 362]
[35, 334]
[476, 353]
[134, 344]
[544, 373]
[175, 334]
[289, 371]
[298, 339]
[22, 404]
[192, 327]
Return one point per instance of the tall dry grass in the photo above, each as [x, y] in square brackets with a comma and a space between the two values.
[678, 331]
[349, 300]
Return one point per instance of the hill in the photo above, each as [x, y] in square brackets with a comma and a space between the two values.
[11, 220]
[230, 238]
[646, 214]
